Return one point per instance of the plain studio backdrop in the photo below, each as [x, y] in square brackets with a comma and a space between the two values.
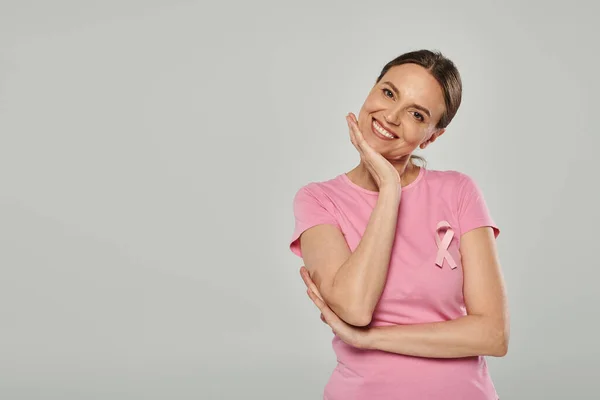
[150, 152]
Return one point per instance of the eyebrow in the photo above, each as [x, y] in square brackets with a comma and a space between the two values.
[417, 106]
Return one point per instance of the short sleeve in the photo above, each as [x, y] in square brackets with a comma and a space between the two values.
[473, 211]
[309, 211]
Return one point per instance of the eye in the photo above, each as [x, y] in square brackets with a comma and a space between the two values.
[388, 93]
[418, 116]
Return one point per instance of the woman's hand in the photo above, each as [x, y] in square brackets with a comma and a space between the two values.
[352, 335]
[383, 172]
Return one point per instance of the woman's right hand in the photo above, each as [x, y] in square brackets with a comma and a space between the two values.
[383, 172]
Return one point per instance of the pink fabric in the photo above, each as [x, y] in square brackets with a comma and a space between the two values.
[424, 283]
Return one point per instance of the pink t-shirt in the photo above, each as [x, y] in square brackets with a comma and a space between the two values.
[416, 291]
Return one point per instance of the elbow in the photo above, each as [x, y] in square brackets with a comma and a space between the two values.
[359, 319]
[499, 349]
[360, 314]
[499, 346]
[354, 315]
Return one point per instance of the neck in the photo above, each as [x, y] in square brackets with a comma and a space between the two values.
[362, 177]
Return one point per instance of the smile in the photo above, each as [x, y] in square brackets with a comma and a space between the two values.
[377, 128]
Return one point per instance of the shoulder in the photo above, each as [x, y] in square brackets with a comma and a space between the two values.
[453, 186]
[320, 189]
[323, 193]
[449, 179]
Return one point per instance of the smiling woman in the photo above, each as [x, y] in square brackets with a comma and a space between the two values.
[400, 260]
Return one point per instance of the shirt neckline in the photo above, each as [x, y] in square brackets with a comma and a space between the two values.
[422, 171]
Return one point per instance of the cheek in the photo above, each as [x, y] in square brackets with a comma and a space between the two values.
[415, 135]
[369, 106]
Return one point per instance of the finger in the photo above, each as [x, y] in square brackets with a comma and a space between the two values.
[326, 312]
[317, 300]
[327, 315]
[309, 282]
[356, 138]
[367, 152]
[360, 140]
[351, 125]
[353, 138]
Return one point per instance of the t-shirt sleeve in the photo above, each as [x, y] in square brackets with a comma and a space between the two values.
[309, 211]
[473, 211]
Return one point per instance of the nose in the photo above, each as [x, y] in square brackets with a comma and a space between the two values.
[392, 116]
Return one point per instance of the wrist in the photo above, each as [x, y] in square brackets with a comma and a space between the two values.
[368, 339]
[391, 191]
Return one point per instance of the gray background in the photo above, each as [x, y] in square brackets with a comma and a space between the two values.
[150, 151]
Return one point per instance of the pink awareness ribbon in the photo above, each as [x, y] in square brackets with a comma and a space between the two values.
[443, 244]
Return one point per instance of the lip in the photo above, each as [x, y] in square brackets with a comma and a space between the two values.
[379, 135]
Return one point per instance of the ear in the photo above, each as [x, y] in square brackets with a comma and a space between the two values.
[436, 134]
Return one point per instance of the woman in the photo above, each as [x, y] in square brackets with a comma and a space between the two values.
[401, 260]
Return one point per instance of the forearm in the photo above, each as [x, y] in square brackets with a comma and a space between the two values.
[472, 335]
[360, 280]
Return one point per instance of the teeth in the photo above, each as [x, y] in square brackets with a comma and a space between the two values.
[381, 130]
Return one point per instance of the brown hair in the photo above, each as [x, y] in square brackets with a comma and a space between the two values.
[444, 71]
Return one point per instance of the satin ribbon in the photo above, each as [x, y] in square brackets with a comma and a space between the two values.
[443, 244]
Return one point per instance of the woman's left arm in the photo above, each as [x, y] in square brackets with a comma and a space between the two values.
[485, 328]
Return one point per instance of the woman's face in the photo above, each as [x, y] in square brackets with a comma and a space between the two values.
[408, 103]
